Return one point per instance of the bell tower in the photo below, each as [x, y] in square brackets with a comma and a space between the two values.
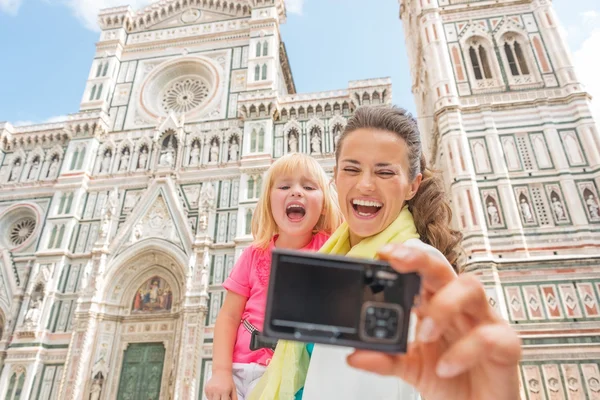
[504, 116]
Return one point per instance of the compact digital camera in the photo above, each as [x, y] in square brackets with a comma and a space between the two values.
[337, 300]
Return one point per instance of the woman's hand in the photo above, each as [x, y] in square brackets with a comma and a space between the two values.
[463, 349]
[220, 386]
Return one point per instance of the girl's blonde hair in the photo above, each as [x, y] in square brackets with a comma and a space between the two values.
[263, 223]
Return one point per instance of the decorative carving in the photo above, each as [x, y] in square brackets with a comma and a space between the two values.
[185, 95]
[207, 196]
[21, 230]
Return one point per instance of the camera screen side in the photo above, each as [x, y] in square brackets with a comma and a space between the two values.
[306, 291]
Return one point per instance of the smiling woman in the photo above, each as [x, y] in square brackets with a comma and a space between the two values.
[374, 186]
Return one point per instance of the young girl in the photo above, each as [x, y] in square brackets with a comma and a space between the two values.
[297, 210]
[395, 208]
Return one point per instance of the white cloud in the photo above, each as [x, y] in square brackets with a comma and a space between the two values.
[10, 6]
[586, 65]
[294, 6]
[51, 120]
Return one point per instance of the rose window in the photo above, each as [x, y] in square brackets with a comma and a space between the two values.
[185, 95]
[21, 230]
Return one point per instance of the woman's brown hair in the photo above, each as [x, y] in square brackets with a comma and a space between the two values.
[430, 207]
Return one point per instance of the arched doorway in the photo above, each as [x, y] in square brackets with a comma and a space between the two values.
[139, 327]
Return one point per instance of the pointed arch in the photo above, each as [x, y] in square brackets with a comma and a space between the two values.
[261, 140]
[52, 236]
[257, 73]
[264, 72]
[69, 203]
[253, 140]
[258, 49]
[74, 159]
[250, 182]
[258, 187]
[265, 50]
[105, 71]
[99, 70]
[248, 226]
[81, 157]
[99, 92]
[61, 234]
[93, 93]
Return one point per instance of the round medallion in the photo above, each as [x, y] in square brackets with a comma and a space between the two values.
[184, 95]
[190, 16]
[186, 86]
[21, 230]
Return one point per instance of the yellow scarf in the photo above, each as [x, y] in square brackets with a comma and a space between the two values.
[288, 367]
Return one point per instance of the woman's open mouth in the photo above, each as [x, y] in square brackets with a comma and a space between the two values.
[366, 208]
[295, 212]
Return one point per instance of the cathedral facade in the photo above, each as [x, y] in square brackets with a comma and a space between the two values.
[119, 225]
[506, 119]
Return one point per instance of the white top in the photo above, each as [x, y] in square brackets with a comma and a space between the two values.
[330, 377]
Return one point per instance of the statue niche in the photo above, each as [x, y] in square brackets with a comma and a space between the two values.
[592, 204]
[168, 151]
[194, 160]
[32, 315]
[234, 148]
[154, 296]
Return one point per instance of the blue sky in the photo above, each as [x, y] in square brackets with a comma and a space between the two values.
[46, 48]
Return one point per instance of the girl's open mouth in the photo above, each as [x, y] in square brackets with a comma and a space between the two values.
[295, 212]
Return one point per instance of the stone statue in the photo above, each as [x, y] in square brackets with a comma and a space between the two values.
[207, 196]
[124, 162]
[214, 152]
[105, 165]
[33, 313]
[315, 143]
[137, 232]
[233, 150]
[493, 214]
[195, 154]
[15, 171]
[293, 143]
[33, 171]
[559, 211]
[526, 210]
[203, 222]
[96, 389]
[336, 138]
[593, 207]
[167, 156]
[143, 158]
[105, 225]
[53, 168]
